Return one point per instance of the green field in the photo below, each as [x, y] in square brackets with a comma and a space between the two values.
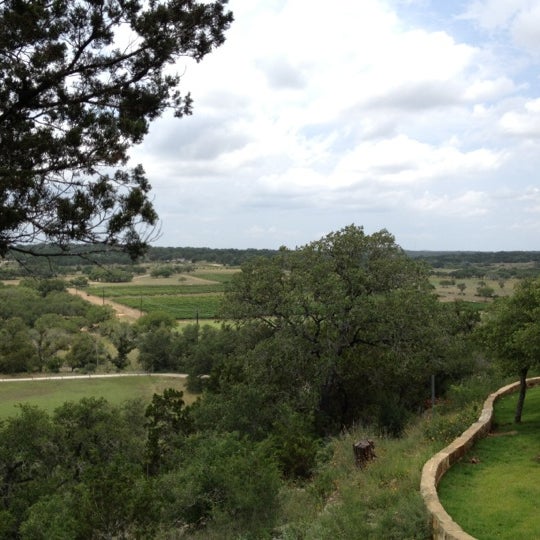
[220, 277]
[112, 291]
[184, 296]
[495, 495]
[50, 394]
[180, 307]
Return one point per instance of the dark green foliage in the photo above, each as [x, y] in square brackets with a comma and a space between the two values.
[86, 353]
[249, 409]
[294, 444]
[79, 282]
[37, 327]
[50, 335]
[451, 259]
[223, 480]
[153, 321]
[74, 101]
[162, 271]
[156, 350]
[76, 474]
[82, 474]
[109, 275]
[20, 302]
[353, 329]
[17, 353]
[485, 291]
[229, 257]
[29, 453]
[203, 348]
[167, 421]
[44, 286]
[123, 337]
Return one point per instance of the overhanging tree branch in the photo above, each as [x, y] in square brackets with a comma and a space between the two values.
[74, 99]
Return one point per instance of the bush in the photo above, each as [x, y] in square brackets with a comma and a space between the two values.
[294, 445]
[444, 428]
[224, 483]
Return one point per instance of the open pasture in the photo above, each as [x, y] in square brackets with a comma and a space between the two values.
[447, 289]
[50, 394]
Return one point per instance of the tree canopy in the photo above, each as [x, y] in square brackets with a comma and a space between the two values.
[346, 327]
[80, 81]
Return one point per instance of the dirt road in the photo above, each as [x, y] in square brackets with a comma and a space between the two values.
[122, 312]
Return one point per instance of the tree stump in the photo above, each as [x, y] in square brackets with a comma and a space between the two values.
[364, 451]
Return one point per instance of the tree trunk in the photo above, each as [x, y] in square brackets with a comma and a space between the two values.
[522, 392]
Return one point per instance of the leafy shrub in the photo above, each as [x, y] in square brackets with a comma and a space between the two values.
[223, 480]
[445, 428]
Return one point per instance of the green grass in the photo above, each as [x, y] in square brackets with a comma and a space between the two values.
[49, 395]
[184, 301]
[180, 307]
[111, 291]
[498, 496]
[220, 277]
[379, 502]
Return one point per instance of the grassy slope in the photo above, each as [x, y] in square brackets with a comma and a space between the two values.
[380, 502]
[498, 496]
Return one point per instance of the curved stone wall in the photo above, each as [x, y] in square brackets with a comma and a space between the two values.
[444, 527]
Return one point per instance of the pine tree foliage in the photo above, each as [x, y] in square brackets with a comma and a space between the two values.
[80, 82]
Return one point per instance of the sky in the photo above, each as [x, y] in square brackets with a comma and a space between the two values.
[421, 117]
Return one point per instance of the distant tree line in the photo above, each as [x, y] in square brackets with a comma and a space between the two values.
[451, 259]
[18, 264]
[228, 257]
[490, 272]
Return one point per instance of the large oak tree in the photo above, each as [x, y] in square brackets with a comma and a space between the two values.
[349, 326]
[80, 81]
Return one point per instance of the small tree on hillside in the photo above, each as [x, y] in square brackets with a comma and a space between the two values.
[511, 332]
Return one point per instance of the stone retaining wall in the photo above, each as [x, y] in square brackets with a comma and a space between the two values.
[444, 527]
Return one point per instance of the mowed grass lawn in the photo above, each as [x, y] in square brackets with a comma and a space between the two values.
[51, 394]
[498, 496]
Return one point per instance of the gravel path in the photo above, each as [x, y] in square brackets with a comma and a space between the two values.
[122, 312]
[96, 376]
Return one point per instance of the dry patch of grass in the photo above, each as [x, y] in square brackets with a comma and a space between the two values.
[451, 292]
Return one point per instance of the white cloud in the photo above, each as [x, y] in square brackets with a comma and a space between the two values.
[494, 14]
[314, 115]
[402, 160]
[524, 122]
[489, 89]
[468, 204]
[520, 18]
[525, 28]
